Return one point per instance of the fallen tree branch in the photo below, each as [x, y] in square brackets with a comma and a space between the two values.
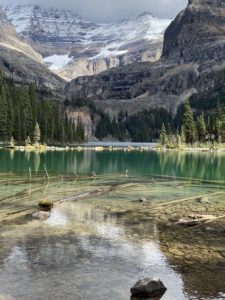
[196, 219]
[98, 191]
[214, 219]
[187, 199]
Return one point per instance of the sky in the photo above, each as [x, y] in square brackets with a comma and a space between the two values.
[111, 10]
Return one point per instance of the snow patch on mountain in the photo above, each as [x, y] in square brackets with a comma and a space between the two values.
[22, 20]
[110, 50]
[92, 47]
[57, 62]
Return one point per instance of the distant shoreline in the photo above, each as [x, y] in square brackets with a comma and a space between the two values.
[118, 146]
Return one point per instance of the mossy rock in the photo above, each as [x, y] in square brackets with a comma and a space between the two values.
[45, 203]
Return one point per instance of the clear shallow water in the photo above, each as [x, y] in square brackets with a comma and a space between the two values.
[82, 252]
[102, 265]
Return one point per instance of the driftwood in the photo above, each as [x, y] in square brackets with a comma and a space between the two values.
[77, 197]
[196, 219]
[187, 199]
[93, 193]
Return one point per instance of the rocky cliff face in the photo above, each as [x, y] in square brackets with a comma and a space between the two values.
[19, 60]
[73, 47]
[197, 34]
[193, 55]
[22, 68]
[10, 39]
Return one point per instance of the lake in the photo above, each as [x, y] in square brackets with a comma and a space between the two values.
[97, 247]
[208, 165]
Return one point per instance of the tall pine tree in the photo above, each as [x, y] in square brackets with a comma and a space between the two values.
[188, 123]
[201, 128]
[3, 113]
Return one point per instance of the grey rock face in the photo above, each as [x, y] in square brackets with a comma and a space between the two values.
[193, 56]
[20, 61]
[17, 65]
[91, 47]
[136, 80]
[10, 39]
[197, 34]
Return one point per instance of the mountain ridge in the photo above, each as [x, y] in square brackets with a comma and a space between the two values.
[20, 61]
[83, 47]
[193, 56]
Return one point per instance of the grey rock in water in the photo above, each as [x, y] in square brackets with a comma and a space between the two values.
[142, 200]
[203, 200]
[41, 215]
[148, 288]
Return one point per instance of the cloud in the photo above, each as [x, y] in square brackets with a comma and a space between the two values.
[109, 10]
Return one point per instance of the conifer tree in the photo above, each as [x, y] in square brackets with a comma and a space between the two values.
[201, 128]
[182, 135]
[218, 122]
[33, 103]
[12, 142]
[10, 113]
[3, 113]
[80, 130]
[37, 134]
[163, 135]
[222, 130]
[22, 107]
[17, 123]
[188, 123]
[178, 140]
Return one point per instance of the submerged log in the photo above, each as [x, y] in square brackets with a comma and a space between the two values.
[96, 192]
[195, 219]
[178, 201]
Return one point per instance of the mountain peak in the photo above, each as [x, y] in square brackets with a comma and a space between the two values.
[206, 2]
[146, 13]
[201, 24]
[73, 47]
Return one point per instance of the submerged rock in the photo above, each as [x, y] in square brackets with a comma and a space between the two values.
[142, 200]
[41, 215]
[45, 203]
[203, 200]
[148, 288]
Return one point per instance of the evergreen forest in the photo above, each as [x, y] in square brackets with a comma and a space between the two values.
[22, 107]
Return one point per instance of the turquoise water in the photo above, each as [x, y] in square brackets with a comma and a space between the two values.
[210, 166]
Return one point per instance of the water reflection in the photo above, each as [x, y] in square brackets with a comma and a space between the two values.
[191, 165]
[99, 263]
[155, 298]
